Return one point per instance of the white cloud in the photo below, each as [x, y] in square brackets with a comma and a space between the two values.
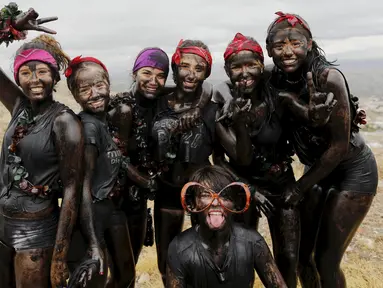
[116, 30]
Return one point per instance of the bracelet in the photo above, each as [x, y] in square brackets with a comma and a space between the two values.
[7, 32]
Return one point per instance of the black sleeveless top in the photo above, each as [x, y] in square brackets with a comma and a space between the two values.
[270, 143]
[109, 155]
[38, 155]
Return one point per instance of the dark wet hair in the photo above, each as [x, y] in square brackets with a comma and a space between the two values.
[214, 176]
[316, 60]
[71, 80]
[184, 44]
[53, 47]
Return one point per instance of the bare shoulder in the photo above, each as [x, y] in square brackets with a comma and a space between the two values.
[68, 125]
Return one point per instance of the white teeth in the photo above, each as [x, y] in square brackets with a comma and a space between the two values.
[215, 213]
[289, 61]
[36, 89]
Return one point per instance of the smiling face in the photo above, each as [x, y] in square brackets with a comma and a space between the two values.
[36, 80]
[150, 81]
[191, 72]
[92, 88]
[289, 47]
[244, 70]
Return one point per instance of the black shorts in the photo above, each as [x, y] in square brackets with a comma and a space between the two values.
[358, 173]
[23, 234]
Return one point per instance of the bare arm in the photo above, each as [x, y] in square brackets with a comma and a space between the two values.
[86, 214]
[69, 143]
[339, 129]
[172, 281]
[10, 94]
[265, 266]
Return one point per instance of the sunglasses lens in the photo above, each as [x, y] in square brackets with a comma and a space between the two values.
[233, 198]
[197, 198]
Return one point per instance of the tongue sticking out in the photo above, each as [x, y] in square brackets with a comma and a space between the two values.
[216, 220]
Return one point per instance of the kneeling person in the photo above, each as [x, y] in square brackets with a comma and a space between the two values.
[218, 252]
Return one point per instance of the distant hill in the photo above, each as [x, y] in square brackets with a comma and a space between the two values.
[364, 77]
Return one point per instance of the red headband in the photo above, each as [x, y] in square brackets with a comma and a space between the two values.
[242, 43]
[291, 19]
[77, 60]
[192, 50]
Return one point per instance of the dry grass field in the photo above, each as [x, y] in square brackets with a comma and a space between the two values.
[362, 263]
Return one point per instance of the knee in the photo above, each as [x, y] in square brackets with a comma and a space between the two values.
[288, 260]
[327, 262]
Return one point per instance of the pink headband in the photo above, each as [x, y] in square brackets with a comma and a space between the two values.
[32, 55]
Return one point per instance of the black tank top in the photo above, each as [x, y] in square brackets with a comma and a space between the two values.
[39, 156]
[270, 143]
[109, 155]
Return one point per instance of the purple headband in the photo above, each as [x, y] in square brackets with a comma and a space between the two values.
[32, 55]
[152, 57]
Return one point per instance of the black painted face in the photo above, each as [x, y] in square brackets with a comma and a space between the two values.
[92, 89]
[289, 48]
[36, 80]
[191, 72]
[244, 70]
[150, 81]
[216, 218]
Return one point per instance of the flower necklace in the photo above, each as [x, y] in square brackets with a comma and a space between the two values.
[19, 173]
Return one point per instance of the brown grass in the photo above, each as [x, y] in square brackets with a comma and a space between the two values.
[362, 262]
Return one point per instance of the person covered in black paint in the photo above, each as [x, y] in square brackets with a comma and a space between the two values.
[183, 141]
[258, 149]
[40, 160]
[218, 252]
[335, 154]
[106, 170]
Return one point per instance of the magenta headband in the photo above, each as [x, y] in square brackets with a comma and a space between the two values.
[32, 55]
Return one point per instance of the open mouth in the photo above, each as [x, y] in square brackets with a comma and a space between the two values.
[247, 83]
[97, 101]
[151, 89]
[216, 219]
[189, 85]
[289, 62]
[37, 90]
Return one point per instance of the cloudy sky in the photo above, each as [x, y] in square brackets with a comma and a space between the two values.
[116, 30]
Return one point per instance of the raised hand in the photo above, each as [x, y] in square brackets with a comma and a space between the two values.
[28, 21]
[235, 108]
[190, 118]
[263, 204]
[320, 104]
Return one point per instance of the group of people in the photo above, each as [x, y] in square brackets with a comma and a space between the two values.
[154, 143]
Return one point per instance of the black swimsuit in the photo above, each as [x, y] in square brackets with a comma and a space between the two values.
[39, 156]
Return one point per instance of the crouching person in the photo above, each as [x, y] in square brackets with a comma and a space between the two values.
[218, 252]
